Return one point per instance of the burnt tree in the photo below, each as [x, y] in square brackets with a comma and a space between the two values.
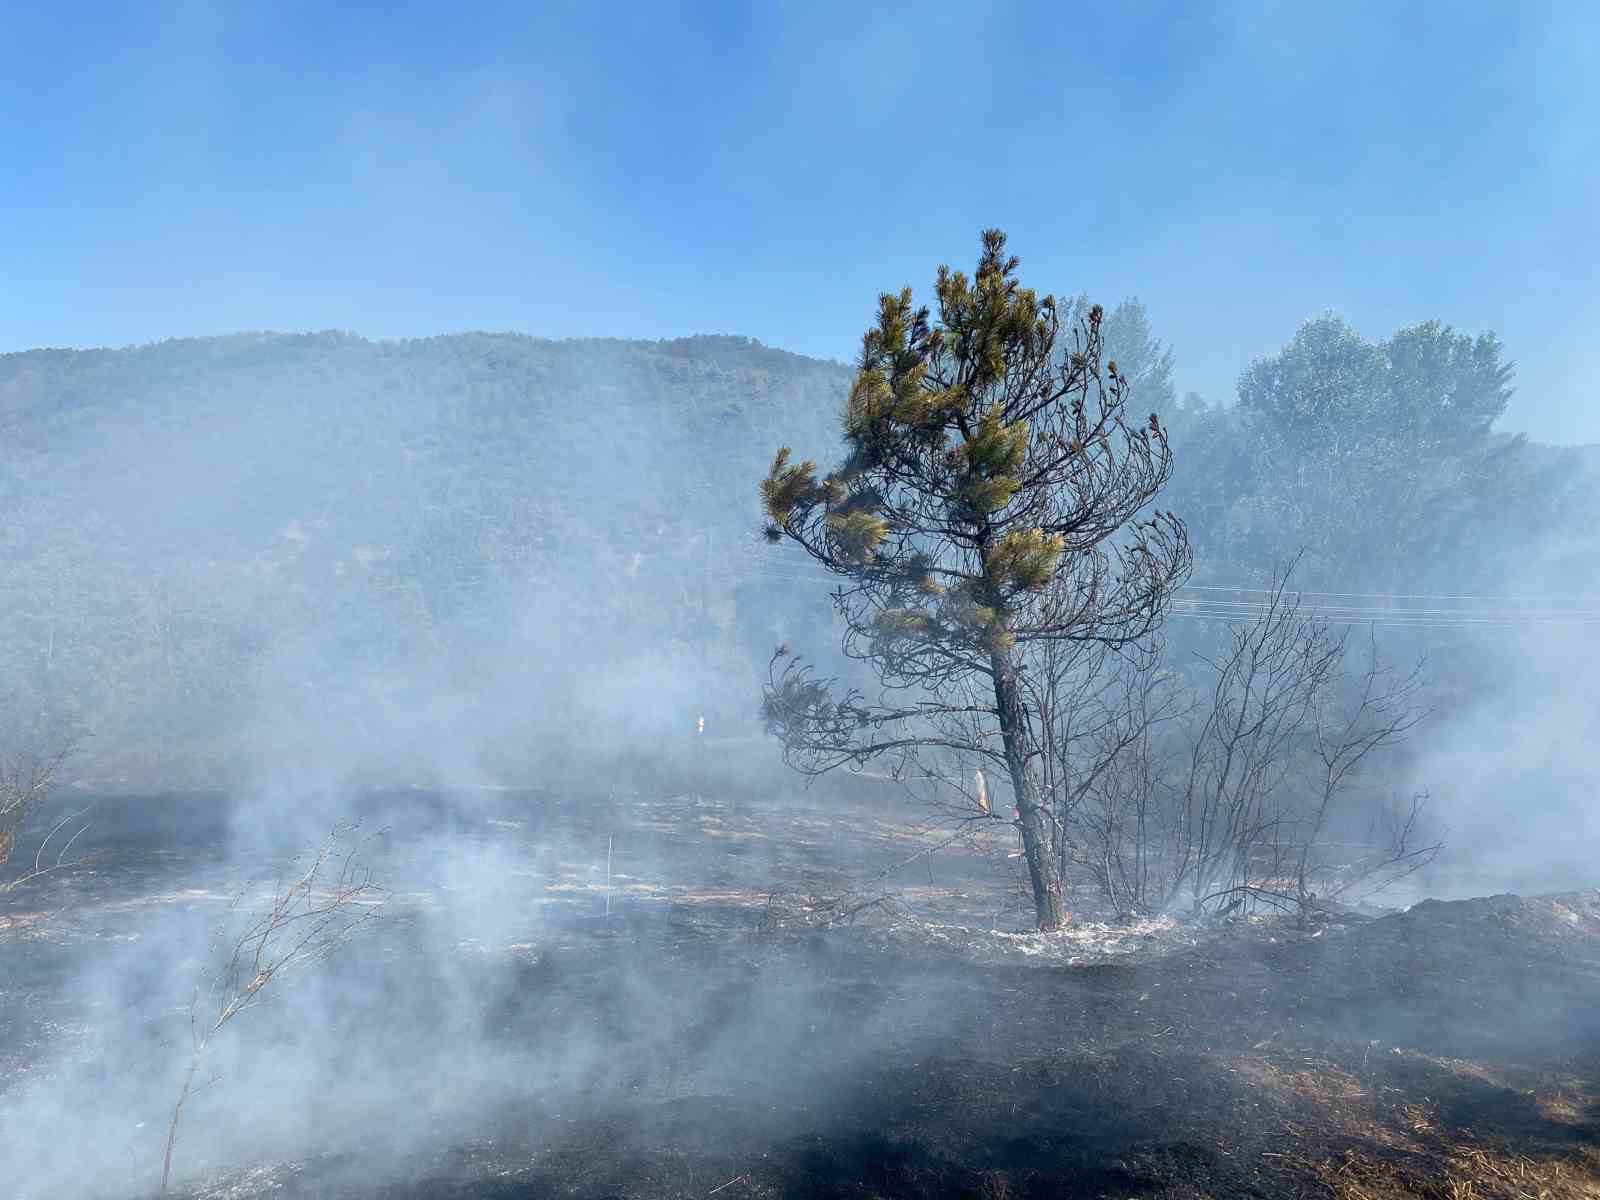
[991, 503]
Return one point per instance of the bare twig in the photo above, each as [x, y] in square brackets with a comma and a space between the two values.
[25, 781]
[1243, 808]
[304, 921]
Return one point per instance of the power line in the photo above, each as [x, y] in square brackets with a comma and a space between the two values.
[1490, 611]
[1216, 587]
[1359, 609]
[1376, 620]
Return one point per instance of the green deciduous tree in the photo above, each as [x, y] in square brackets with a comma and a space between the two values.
[1375, 457]
[991, 503]
[1427, 385]
[1324, 387]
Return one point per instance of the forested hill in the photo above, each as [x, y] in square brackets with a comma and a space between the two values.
[267, 546]
[180, 517]
[314, 427]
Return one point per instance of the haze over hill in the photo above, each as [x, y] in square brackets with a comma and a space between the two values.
[197, 526]
[464, 556]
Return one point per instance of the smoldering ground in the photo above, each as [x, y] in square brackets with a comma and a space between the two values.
[495, 989]
[497, 1035]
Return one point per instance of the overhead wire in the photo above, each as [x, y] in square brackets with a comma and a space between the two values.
[1209, 602]
[1217, 587]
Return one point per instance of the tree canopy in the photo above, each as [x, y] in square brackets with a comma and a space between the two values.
[1426, 384]
[1374, 457]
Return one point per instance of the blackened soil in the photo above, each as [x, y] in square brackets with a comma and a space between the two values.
[674, 1050]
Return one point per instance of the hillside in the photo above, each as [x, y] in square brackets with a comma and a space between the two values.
[200, 528]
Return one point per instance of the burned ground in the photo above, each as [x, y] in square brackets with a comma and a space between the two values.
[688, 1045]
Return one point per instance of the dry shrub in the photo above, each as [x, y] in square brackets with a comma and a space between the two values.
[790, 911]
[25, 783]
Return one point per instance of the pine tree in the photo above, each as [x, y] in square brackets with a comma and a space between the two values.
[991, 502]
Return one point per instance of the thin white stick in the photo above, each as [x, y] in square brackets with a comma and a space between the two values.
[608, 873]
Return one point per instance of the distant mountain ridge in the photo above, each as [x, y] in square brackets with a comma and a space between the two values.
[178, 512]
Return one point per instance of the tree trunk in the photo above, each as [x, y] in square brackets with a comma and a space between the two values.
[1018, 740]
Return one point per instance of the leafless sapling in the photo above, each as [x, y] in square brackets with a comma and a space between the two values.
[302, 921]
[1280, 739]
[25, 783]
[1378, 709]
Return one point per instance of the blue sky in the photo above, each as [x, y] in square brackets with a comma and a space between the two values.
[766, 169]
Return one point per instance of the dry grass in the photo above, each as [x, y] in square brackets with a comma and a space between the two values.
[1422, 1127]
[1465, 1173]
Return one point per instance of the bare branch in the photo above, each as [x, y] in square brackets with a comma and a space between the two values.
[25, 782]
[303, 921]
